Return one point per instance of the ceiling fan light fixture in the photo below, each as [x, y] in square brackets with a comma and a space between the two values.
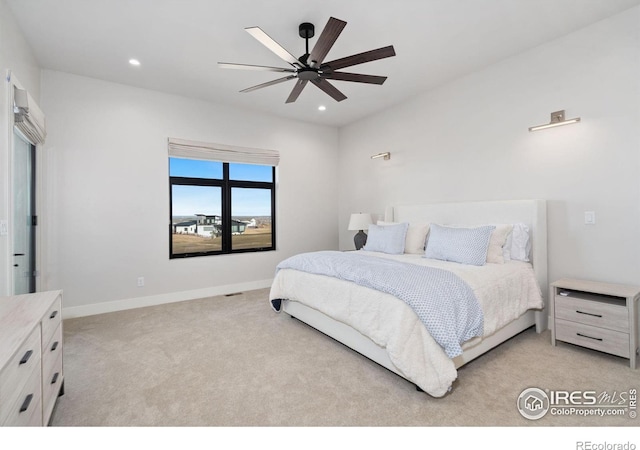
[311, 67]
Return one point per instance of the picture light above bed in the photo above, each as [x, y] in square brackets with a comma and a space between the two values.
[557, 119]
[359, 222]
[385, 156]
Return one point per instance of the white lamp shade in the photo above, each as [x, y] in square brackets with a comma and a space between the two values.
[359, 221]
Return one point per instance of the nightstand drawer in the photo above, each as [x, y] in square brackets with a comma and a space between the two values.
[599, 314]
[601, 339]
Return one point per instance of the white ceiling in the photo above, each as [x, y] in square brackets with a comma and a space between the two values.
[179, 43]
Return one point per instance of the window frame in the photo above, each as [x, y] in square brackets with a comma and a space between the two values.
[226, 186]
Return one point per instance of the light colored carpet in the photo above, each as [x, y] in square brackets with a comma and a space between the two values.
[232, 361]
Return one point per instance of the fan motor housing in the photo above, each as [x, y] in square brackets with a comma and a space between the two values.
[308, 74]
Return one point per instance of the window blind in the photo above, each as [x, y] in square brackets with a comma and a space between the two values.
[28, 117]
[181, 148]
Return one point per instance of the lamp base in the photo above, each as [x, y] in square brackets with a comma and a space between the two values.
[360, 239]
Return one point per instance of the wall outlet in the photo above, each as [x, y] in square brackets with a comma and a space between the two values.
[4, 228]
[590, 217]
[140, 281]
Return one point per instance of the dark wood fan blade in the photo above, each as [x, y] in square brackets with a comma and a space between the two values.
[272, 45]
[360, 58]
[268, 83]
[327, 38]
[329, 89]
[297, 89]
[357, 77]
[223, 65]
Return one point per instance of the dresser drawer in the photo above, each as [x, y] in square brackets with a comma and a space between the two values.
[20, 367]
[599, 314]
[51, 320]
[27, 403]
[596, 338]
[30, 350]
[30, 418]
[51, 350]
[51, 383]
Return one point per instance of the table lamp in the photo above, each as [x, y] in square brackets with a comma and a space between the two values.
[360, 222]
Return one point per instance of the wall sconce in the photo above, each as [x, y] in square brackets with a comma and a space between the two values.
[557, 119]
[385, 156]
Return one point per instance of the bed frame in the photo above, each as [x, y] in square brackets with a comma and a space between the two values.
[531, 212]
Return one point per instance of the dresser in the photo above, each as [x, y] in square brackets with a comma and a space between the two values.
[599, 316]
[31, 370]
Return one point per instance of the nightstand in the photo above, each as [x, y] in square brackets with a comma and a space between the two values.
[599, 316]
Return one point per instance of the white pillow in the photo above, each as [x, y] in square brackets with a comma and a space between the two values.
[416, 237]
[387, 239]
[461, 245]
[518, 244]
[497, 243]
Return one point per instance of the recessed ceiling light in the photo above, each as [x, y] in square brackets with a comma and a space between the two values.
[134, 62]
[322, 108]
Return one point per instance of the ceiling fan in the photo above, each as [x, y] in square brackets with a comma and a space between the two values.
[310, 66]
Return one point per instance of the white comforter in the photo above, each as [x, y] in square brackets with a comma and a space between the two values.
[504, 291]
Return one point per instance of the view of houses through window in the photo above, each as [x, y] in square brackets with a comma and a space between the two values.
[220, 207]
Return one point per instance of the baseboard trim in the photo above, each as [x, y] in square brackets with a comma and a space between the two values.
[152, 300]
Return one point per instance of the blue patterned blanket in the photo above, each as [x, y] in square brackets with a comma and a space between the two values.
[445, 304]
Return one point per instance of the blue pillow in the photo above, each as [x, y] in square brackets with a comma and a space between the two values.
[461, 245]
[387, 238]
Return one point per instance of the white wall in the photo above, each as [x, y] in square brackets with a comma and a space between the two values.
[107, 167]
[107, 193]
[468, 140]
[15, 55]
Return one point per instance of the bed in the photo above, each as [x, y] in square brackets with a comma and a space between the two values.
[385, 328]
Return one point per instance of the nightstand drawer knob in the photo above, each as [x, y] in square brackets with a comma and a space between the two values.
[53, 314]
[589, 314]
[589, 337]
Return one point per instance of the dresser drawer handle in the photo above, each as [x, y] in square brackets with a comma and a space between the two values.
[26, 357]
[55, 378]
[54, 346]
[26, 403]
[53, 314]
[589, 337]
[589, 314]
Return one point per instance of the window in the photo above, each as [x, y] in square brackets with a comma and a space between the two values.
[220, 207]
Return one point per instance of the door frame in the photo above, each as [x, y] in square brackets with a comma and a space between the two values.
[11, 82]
